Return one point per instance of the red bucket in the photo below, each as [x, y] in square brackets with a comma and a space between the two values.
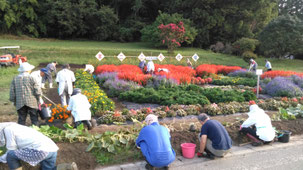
[188, 150]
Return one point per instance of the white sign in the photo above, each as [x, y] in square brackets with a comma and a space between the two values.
[179, 57]
[195, 57]
[151, 58]
[99, 56]
[121, 57]
[141, 57]
[161, 57]
[259, 72]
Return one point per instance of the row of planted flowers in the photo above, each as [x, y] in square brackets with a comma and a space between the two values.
[109, 117]
[96, 97]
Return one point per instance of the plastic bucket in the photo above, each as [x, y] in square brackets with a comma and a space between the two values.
[44, 111]
[284, 136]
[188, 150]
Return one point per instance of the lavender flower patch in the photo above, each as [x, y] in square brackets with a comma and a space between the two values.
[297, 80]
[117, 86]
[101, 78]
[157, 81]
[281, 86]
[242, 73]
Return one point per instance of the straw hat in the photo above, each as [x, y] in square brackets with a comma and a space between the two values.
[25, 67]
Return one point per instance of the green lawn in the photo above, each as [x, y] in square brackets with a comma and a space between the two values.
[80, 52]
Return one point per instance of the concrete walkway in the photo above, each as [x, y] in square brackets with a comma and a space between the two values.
[183, 163]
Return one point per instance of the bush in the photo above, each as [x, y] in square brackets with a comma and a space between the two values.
[217, 48]
[245, 44]
[283, 87]
[236, 81]
[242, 73]
[247, 55]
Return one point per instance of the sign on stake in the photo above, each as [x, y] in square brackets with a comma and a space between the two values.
[195, 57]
[179, 57]
[121, 57]
[141, 57]
[99, 56]
[161, 57]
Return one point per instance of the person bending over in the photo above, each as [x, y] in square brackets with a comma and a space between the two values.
[214, 139]
[154, 141]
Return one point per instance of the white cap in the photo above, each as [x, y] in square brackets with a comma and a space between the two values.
[25, 67]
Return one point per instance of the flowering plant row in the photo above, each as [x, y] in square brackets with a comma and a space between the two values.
[96, 97]
[208, 69]
[210, 109]
[59, 112]
[273, 74]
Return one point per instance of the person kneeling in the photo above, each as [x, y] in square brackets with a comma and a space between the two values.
[79, 107]
[26, 144]
[154, 141]
[214, 139]
[263, 131]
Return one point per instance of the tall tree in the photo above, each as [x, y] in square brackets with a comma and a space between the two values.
[292, 7]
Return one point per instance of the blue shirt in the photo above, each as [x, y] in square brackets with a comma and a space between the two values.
[217, 134]
[154, 141]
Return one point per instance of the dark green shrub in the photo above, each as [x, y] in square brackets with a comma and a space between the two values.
[245, 44]
[247, 55]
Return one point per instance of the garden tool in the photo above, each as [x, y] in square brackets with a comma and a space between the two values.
[49, 100]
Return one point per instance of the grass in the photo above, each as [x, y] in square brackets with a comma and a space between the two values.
[81, 52]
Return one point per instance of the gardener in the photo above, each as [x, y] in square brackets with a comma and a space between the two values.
[154, 141]
[28, 145]
[51, 67]
[189, 64]
[38, 75]
[268, 65]
[253, 65]
[263, 131]
[150, 67]
[214, 139]
[79, 106]
[89, 68]
[25, 93]
[142, 65]
[65, 79]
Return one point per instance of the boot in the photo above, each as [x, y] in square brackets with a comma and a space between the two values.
[50, 85]
[256, 142]
[43, 86]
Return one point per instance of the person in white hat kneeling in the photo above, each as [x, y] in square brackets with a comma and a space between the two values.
[25, 94]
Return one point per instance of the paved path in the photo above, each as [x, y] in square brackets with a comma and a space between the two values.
[278, 156]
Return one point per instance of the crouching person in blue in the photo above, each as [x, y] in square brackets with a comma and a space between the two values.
[26, 144]
[154, 141]
[214, 139]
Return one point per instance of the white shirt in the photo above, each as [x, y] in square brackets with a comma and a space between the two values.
[150, 66]
[89, 68]
[21, 137]
[65, 76]
[37, 76]
[268, 65]
[163, 69]
[79, 106]
[261, 120]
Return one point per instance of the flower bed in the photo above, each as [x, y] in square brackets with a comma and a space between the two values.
[59, 112]
[284, 86]
[279, 73]
[190, 94]
[208, 69]
[96, 97]
[235, 81]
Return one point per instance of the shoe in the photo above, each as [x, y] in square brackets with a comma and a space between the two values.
[257, 143]
[50, 85]
[210, 156]
[149, 167]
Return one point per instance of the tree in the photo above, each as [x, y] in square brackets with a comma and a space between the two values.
[282, 36]
[151, 33]
[292, 7]
[172, 35]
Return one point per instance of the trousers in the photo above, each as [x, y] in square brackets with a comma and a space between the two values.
[22, 113]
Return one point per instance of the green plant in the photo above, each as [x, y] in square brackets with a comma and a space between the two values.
[245, 44]
[247, 55]
[284, 114]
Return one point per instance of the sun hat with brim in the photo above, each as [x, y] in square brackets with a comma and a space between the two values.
[25, 67]
[44, 70]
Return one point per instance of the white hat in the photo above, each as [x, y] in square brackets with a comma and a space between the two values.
[151, 118]
[25, 67]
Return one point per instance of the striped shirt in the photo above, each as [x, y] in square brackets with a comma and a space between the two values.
[25, 91]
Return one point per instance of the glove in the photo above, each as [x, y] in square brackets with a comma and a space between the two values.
[240, 127]
[200, 154]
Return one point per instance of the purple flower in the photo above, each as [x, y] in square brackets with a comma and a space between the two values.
[283, 86]
[157, 81]
[242, 73]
